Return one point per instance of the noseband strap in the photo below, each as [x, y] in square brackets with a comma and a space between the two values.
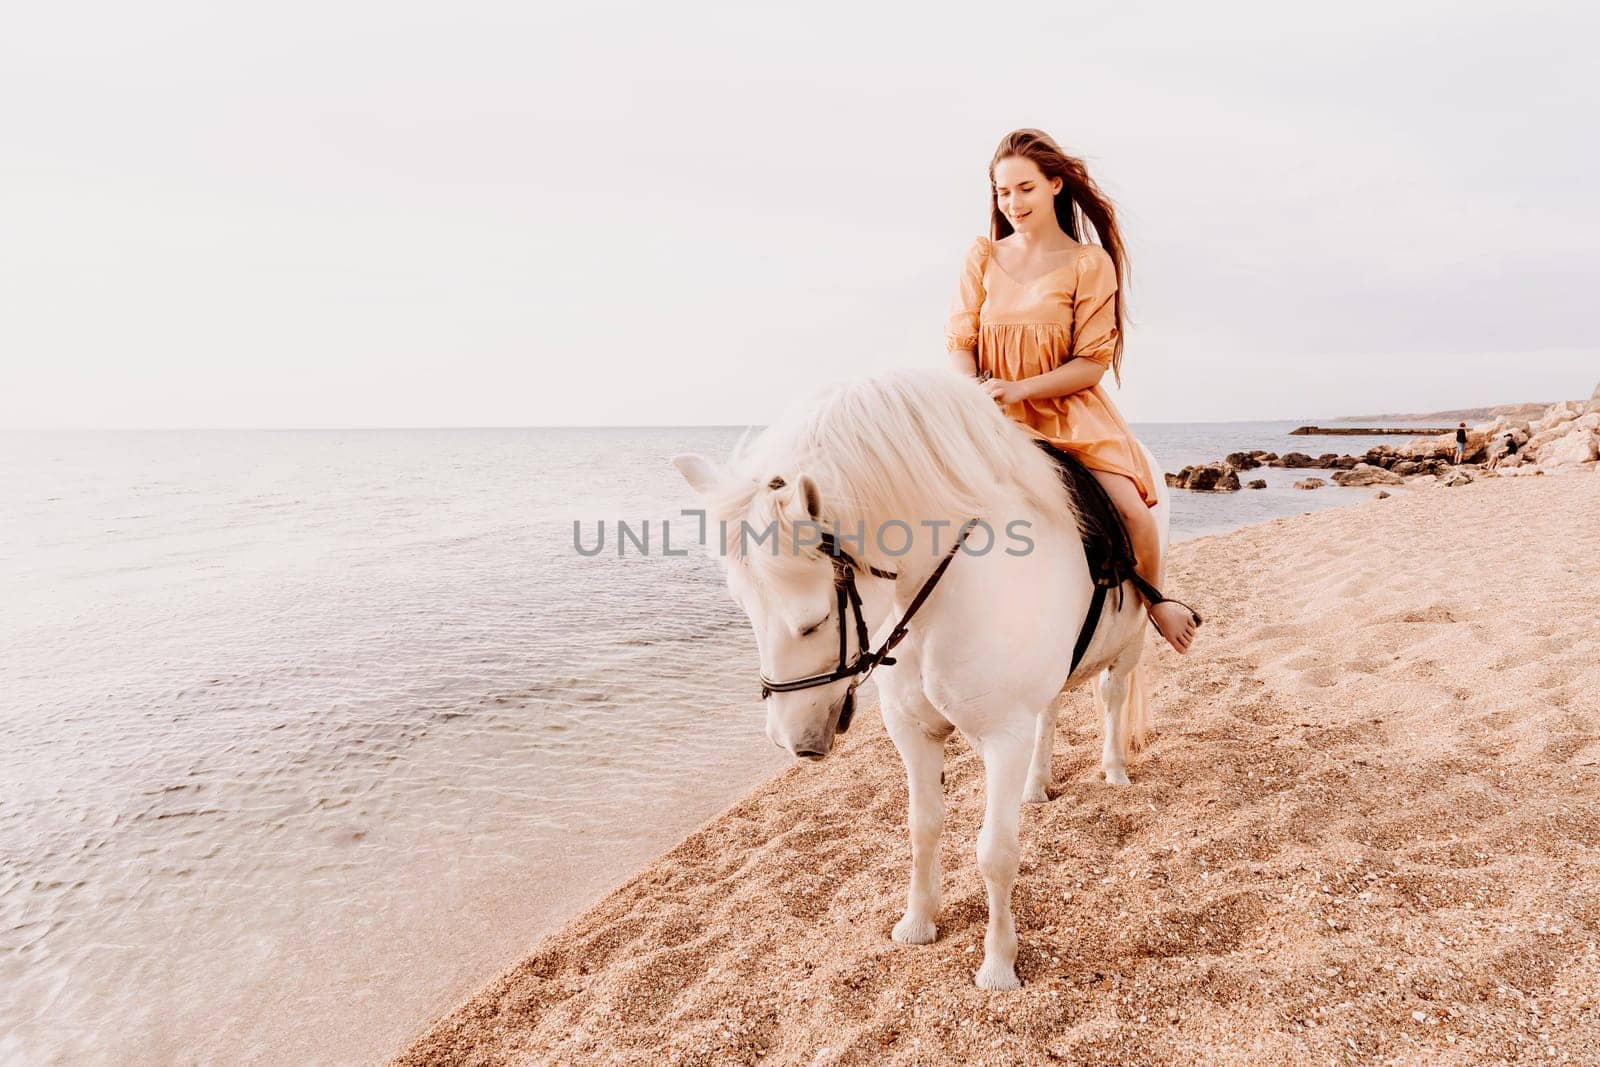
[844, 584]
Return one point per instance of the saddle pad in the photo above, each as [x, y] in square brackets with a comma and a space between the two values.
[1105, 539]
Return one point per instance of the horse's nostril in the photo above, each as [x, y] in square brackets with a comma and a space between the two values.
[810, 754]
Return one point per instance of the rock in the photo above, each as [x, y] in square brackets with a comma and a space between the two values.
[1576, 447]
[1297, 460]
[1455, 478]
[1558, 413]
[1382, 456]
[1242, 461]
[1367, 474]
[1205, 477]
[1345, 463]
[1310, 483]
[1383, 494]
[1426, 448]
[1552, 433]
[1259, 483]
[1476, 449]
[1265, 457]
[1444, 447]
[1408, 467]
[1543, 437]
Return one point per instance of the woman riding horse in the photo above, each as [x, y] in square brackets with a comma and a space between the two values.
[1038, 319]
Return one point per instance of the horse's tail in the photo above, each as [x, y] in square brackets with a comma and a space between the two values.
[1133, 717]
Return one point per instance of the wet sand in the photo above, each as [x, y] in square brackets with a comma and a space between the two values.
[1367, 830]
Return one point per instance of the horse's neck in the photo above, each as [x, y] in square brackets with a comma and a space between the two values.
[1046, 540]
[928, 545]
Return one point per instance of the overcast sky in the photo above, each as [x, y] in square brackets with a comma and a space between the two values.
[395, 214]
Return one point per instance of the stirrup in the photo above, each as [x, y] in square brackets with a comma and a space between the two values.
[1169, 600]
[1154, 596]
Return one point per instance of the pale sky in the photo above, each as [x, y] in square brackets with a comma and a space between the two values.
[396, 214]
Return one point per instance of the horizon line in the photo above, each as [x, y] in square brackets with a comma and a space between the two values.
[566, 426]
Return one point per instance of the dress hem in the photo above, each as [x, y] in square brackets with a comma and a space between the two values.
[1099, 463]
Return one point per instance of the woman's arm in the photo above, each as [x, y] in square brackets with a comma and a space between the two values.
[1073, 376]
[961, 328]
[964, 361]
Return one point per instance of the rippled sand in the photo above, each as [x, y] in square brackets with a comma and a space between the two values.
[1367, 830]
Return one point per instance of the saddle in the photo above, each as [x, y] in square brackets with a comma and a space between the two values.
[1105, 542]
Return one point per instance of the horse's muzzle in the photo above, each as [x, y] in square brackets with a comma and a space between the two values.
[815, 742]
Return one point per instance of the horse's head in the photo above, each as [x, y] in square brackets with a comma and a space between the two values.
[786, 587]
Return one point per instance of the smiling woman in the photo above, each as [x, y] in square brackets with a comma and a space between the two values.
[1037, 318]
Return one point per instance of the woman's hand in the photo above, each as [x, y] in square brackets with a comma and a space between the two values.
[1006, 393]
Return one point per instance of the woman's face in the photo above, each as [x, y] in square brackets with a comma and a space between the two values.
[1024, 195]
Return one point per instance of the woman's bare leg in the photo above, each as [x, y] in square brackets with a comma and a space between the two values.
[1172, 619]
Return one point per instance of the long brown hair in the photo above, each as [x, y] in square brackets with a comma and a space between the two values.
[1079, 204]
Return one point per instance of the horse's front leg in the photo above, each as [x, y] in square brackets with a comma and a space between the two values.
[924, 760]
[1005, 764]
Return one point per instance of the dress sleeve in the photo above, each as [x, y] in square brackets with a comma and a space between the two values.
[961, 329]
[1094, 307]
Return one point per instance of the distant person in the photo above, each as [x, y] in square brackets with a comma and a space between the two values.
[1509, 450]
[1461, 442]
[1037, 320]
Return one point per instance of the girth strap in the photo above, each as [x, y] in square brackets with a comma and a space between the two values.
[1091, 621]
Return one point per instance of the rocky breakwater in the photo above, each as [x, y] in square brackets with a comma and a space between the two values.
[1223, 476]
[1564, 439]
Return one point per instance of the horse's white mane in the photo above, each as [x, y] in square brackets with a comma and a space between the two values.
[908, 443]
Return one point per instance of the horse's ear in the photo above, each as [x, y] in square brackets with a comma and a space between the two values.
[811, 495]
[697, 471]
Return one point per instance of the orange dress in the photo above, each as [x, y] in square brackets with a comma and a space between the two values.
[1022, 330]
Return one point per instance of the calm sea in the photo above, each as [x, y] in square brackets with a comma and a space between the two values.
[310, 733]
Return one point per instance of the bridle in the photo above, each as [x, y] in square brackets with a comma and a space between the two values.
[844, 584]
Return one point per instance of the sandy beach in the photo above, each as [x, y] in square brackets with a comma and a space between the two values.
[1366, 830]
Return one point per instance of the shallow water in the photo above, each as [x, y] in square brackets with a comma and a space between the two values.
[310, 733]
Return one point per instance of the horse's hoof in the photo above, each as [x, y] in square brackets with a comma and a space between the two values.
[1116, 776]
[1035, 794]
[913, 931]
[998, 977]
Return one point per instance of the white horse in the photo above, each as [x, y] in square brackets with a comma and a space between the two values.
[891, 457]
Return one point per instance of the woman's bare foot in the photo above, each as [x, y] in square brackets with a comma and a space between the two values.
[1175, 622]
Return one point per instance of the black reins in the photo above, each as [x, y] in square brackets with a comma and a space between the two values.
[844, 583]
